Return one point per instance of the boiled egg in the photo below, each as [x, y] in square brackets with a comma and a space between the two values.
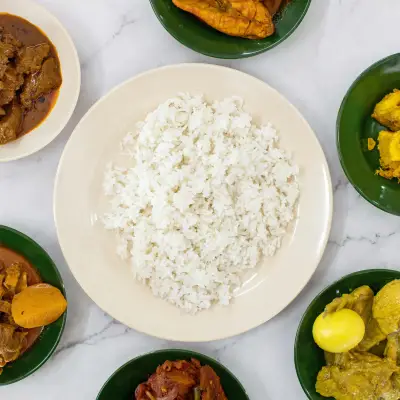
[338, 332]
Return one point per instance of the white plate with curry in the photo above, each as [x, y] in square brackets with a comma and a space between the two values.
[91, 251]
[40, 78]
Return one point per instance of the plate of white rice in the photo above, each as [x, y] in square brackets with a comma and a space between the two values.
[185, 202]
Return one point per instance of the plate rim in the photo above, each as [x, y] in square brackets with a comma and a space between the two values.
[63, 317]
[329, 197]
[190, 353]
[233, 56]
[68, 115]
[338, 133]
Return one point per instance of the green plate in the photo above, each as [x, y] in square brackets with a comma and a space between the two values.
[355, 125]
[308, 357]
[47, 342]
[123, 383]
[198, 36]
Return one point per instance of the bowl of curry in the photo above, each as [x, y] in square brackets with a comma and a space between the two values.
[39, 78]
[172, 374]
[370, 370]
[368, 134]
[32, 306]
[230, 29]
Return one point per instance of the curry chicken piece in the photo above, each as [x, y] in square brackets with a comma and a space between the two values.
[386, 309]
[11, 343]
[273, 5]
[244, 18]
[359, 376]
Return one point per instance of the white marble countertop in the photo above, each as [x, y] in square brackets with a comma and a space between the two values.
[117, 39]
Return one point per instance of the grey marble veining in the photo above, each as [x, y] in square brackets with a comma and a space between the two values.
[117, 39]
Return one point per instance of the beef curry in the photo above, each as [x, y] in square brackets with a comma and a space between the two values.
[26, 305]
[30, 76]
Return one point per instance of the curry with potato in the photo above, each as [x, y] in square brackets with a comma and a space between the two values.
[26, 305]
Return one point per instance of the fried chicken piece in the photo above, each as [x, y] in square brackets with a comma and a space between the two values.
[244, 18]
[361, 376]
[387, 111]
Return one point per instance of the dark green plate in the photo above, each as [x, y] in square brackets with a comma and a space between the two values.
[198, 36]
[308, 357]
[47, 342]
[355, 125]
[123, 383]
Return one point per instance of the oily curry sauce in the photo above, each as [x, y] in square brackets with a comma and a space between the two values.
[30, 35]
[8, 257]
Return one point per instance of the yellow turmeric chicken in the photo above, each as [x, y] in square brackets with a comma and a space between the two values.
[387, 113]
[370, 371]
[244, 18]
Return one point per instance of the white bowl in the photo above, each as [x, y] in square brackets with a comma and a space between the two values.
[42, 135]
[90, 250]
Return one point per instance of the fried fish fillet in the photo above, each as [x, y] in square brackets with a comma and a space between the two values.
[244, 18]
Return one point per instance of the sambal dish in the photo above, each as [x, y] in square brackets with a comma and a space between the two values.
[26, 305]
[182, 380]
[30, 77]
[251, 19]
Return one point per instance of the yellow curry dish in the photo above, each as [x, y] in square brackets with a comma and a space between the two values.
[387, 113]
[26, 305]
[251, 19]
[369, 369]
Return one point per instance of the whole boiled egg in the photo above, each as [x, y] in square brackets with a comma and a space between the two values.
[339, 331]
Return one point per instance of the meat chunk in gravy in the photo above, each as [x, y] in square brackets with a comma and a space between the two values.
[9, 84]
[30, 59]
[9, 125]
[41, 83]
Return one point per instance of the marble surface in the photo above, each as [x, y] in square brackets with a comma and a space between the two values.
[117, 39]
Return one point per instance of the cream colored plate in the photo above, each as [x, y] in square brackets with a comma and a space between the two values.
[90, 250]
[69, 91]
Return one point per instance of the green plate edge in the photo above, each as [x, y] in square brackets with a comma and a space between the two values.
[123, 382]
[50, 337]
[369, 277]
[201, 38]
[393, 207]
